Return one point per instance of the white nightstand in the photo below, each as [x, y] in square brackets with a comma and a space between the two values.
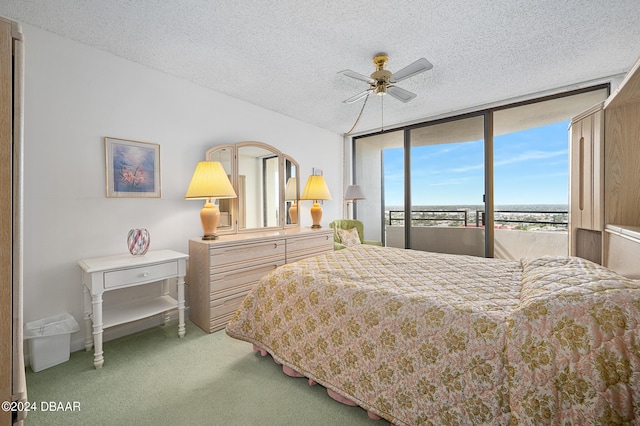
[111, 273]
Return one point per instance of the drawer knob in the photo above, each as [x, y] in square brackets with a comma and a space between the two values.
[145, 274]
[275, 245]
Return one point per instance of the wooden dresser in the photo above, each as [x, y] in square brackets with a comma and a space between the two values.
[221, 272]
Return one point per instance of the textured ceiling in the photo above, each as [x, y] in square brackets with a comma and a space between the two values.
[285, 55]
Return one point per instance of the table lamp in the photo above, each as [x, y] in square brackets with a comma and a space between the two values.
[209, 181]
[291, 194]
[316, 189]
[353, 193]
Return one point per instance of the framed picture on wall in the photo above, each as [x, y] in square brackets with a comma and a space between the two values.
[133, 168]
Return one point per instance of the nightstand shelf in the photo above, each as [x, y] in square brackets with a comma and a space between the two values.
[138, 310]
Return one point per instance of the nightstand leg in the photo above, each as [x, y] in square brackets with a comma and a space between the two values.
[181, 329]
[98, 358]
[88, 337]
[165, 291]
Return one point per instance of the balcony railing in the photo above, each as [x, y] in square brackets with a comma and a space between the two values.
[518, 219]
[417, 217]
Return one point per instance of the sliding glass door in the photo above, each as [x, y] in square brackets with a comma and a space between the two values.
[445, 206]
[492, 183]
[447, 186]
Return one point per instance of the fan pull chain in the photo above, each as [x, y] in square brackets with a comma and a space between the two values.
[382, 115]
[359, 115]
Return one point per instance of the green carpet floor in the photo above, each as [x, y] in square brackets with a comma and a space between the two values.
[155, 378]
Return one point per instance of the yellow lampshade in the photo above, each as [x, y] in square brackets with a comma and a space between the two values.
[209, 181]
[316, 189]
[291, 190]
[291, 194]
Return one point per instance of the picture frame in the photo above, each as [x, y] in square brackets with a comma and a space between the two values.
[132, 168]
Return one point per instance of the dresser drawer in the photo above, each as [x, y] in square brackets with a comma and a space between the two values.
[300, 248]
[139, 275]
[223, 309]
[237, 281]
[234, 256]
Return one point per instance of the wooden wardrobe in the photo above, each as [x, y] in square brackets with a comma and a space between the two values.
[12, 373]
[605, 176]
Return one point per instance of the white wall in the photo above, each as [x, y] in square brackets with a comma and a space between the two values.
[75, 96]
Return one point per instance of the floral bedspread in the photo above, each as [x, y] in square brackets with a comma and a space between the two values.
[436, 339]
[573, 346]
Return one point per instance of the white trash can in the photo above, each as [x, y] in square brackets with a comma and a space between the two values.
[50, 340]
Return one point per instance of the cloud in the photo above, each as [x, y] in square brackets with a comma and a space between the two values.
[455, 181]
[530, 155]
[525, 156]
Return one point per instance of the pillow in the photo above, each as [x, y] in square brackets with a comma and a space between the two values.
[349, 237]
[552, 276]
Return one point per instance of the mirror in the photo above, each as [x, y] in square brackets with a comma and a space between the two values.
[259, 173]
[224, 154]
[292, 190]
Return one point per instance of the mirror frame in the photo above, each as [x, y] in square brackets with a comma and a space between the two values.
[235, 179]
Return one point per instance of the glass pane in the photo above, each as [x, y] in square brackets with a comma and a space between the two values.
[379, 170]
[531, 181]
[393, 163]
[271, 191]
[258, 182]
[447, 187]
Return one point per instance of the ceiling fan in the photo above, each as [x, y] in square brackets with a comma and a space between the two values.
[383, 81]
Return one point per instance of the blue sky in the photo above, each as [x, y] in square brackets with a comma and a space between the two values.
[530, 167]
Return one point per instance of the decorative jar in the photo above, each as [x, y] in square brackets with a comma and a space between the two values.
[138, 241]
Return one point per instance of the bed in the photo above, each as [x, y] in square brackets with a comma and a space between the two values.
[426, 338]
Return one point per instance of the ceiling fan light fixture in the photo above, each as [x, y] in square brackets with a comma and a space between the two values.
[380, 60]
[382, 81]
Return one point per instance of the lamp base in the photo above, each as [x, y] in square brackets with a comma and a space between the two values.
[209, 216]
[316, 215]
[293, 212]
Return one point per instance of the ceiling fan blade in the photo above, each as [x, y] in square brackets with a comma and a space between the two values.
[357, 97]
[421, 65]
[400, 94]
[357, 76]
